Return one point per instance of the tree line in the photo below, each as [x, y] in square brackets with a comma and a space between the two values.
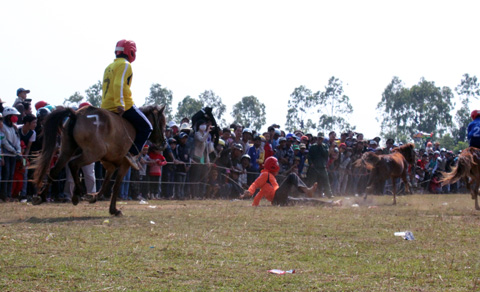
[402, 111]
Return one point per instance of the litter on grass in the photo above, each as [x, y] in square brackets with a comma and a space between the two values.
[407, 235]
[281, 272]
[143, 202]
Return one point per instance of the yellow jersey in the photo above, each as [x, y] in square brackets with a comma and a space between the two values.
[116, 85]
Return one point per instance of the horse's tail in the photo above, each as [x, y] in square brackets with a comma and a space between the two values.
[462, 169]
[51, 129]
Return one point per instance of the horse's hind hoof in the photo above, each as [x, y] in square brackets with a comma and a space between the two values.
[37, 200]
[93, 200]
[75, 200]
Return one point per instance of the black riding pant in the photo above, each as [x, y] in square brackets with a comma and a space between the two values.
[289, 184]
[142, 127]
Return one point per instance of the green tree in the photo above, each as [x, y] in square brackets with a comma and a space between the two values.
[423, 107]
[210, 99]
[430, 108]
[94, 94]
[300, 106]
[73, 100]
[393, 109]
[187, 108]
[334, 106]
[447, 141]
[460, 146]
[160, 96]
[468, 88]
[250, 112]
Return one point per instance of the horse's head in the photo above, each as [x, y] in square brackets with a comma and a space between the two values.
[155, 114]
[408, 151]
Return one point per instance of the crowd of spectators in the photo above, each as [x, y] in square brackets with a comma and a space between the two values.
[203, 161]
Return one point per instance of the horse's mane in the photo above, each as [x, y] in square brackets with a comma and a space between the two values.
[368, 160]
[407, 151]
[149, 108]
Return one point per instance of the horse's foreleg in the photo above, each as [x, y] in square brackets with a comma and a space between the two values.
[110, 169]
[122, 170]
[369, 185]
[475, 195]
[394, 189]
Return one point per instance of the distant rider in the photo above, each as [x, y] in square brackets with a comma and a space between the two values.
[117, 96]
[474, 130]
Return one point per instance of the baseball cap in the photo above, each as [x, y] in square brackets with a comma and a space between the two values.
[21, 89]
[182, 135]
[172, 124]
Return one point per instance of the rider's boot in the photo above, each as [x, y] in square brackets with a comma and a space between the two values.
[133, 160]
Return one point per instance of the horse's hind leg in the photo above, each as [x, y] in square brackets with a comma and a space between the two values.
[394, 189]
[75, 166]
[65, 155]
[122, 170]
[110, 169]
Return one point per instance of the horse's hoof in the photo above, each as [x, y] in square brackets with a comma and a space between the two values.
[116, 213]
[75, 200]
[37, 200]
[93, 200]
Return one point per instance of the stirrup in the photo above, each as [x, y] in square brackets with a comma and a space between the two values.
[133, 161]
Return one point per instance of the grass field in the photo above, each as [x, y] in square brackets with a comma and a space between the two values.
[230, 246]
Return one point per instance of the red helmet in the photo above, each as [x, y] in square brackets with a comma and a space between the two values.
[40, 104]
[475, 114]
[83, 104]
[271, 164]
[128, 48]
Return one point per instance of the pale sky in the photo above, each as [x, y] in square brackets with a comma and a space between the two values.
[240, 48]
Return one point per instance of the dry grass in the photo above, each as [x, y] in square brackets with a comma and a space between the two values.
[229, 246]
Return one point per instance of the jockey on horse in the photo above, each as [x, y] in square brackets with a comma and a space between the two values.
[117, 96]
[474, 129]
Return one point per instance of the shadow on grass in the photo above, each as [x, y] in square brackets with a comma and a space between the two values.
[35, 220]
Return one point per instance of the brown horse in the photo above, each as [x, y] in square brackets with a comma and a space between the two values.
[388, 166]
[89, 135]
[468, 167]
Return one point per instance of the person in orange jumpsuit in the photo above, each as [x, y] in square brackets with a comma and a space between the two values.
[278, 194]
